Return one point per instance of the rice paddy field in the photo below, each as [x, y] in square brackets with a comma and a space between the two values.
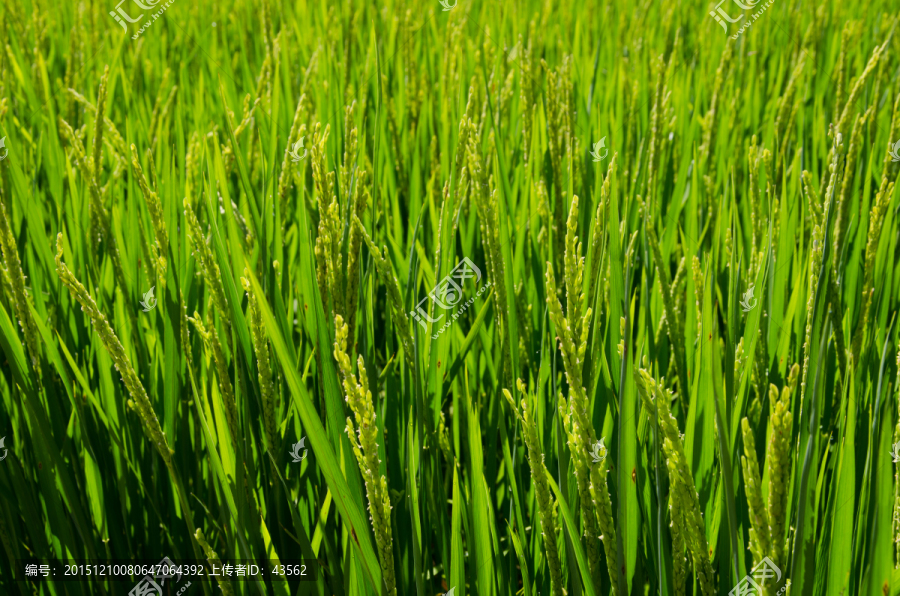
[485, 299]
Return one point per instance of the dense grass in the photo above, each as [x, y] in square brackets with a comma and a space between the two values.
[714, 299]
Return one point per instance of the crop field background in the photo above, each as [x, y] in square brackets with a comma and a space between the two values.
[486, 299]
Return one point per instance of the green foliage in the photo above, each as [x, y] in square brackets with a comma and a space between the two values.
[697, 319]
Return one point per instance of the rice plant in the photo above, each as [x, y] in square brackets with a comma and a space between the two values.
[482, 299]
